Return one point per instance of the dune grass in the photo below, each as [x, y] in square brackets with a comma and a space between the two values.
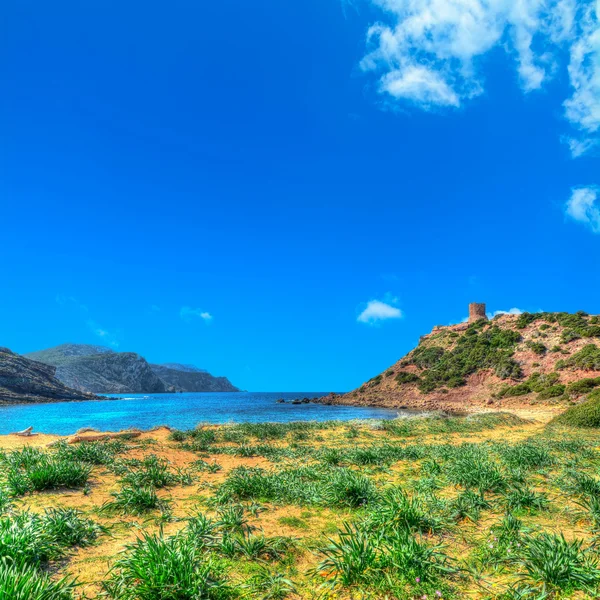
[487, 507]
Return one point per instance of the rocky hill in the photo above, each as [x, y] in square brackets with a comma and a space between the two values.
[187, 380]
[532, 358]
[23, 380]
[101, 370]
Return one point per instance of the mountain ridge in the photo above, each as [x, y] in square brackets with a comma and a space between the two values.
[101, 370]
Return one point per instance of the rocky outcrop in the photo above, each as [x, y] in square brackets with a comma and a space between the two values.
[100, 370]
[23, 381]
[188, 380]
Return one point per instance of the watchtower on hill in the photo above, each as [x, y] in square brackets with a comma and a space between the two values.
[477, 311]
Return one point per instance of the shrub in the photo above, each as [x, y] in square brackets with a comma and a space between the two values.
[525, 319]
[427, 356]
[586, 414]
[588, 358]
[521, 389]
[568, 335]
[553, 391]
[537, 347]
[583, 386]
[405, 377]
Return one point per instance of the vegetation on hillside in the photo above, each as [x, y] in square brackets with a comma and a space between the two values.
[481, 347]
[533, 353]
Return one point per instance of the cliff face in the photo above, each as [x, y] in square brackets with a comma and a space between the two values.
[103, 371]
[23, 380]
[187, 380]
[100, 370]
[541, 358]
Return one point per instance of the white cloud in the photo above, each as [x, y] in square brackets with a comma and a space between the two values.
[510, 311]
[579, 147]
[421, 85]
[428, 52]
[582, 207]
[188, 314]
[377, 311]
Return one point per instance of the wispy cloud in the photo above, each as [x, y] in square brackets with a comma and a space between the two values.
[106, 336]
[73, 304]
[583, 208]
[427, 52]
[377, 311]
[188, 314]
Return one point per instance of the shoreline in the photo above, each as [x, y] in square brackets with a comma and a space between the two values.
[540, 416]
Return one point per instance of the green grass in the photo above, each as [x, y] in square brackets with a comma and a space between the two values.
[135, 501]
[23, 582]
[457, 507]
[166, 568]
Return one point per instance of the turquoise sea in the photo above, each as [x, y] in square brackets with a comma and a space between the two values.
[182, 411]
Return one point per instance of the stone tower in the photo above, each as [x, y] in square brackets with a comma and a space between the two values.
[477, 312]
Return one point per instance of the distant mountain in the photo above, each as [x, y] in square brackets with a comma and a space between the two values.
[65, 352]
[192, 381]
[101, 370]
[24, 380]
[185, 368]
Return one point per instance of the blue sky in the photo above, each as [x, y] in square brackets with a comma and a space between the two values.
[289, 194]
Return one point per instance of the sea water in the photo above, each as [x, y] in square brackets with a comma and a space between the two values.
[182, 411]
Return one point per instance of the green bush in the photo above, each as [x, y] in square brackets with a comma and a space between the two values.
[510, 391]
[569, 335]
[554, 391]
[583, 386]
[588, 358]
[586, 414]
[537, 347]
[426, 357]
[405, 377]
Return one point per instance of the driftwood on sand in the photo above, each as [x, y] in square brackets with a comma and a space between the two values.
[103, 436]
[25, 432]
